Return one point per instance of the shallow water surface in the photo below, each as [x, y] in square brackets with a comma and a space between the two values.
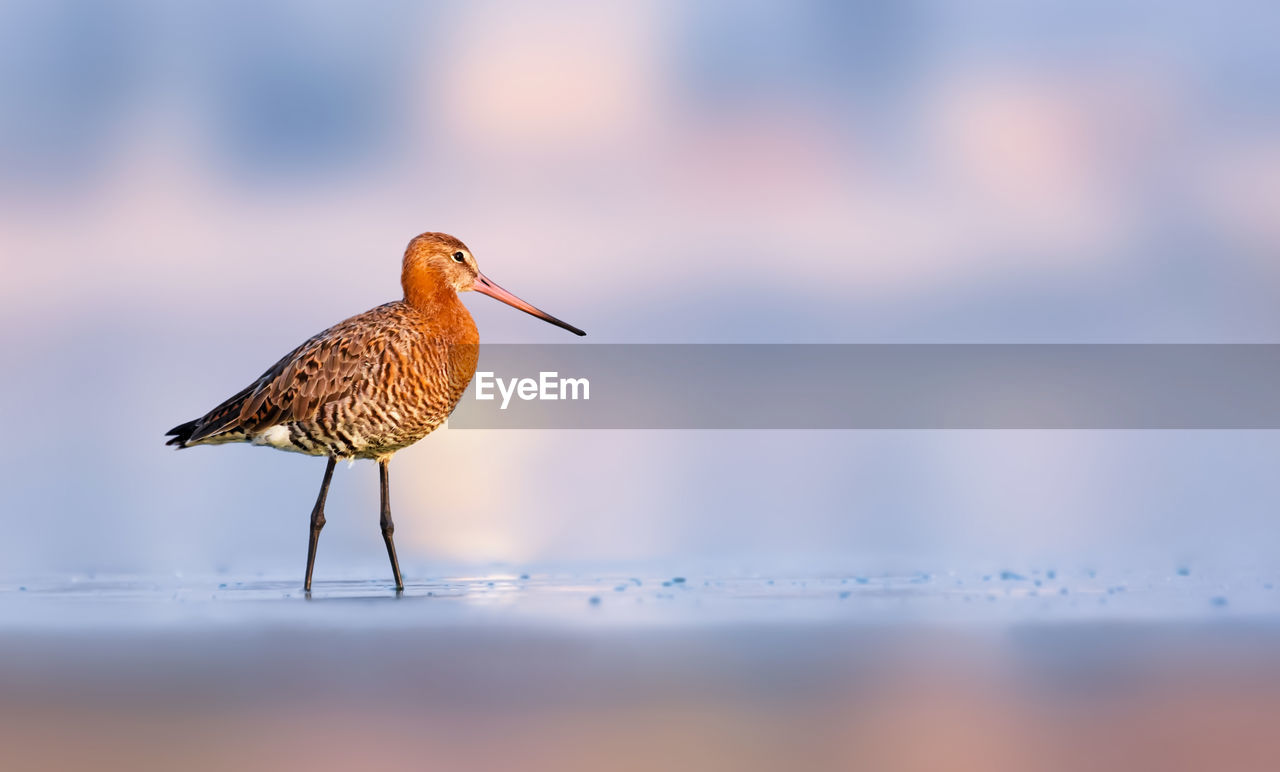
[1008, 669]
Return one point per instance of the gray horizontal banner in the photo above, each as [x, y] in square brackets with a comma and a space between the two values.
[625, 386]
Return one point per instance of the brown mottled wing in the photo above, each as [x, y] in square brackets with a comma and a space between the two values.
[326, 368]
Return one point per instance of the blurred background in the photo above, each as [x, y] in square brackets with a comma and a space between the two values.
[189, 190]
[186, 192]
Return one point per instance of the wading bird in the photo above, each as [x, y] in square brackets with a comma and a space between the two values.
[370, 385]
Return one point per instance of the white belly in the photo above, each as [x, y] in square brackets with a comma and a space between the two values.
[274, 436]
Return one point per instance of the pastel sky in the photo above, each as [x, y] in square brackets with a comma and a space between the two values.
[187, 192]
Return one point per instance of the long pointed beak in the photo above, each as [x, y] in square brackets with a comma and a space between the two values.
[484, 285]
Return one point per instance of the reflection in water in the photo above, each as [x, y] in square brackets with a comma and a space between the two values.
[543, 670]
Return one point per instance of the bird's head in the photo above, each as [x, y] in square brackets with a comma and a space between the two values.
[437, 261]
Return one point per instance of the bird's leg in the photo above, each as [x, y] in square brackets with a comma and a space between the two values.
[317, 520]
[388, 527]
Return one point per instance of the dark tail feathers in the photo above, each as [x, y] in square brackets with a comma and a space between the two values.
[181, 433]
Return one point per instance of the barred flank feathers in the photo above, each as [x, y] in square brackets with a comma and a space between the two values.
[364, 388]
[370, 385]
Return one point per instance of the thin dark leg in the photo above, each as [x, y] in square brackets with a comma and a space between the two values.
[388, 527]
[317, 520]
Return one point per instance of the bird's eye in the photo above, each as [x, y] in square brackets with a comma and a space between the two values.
[458, 257]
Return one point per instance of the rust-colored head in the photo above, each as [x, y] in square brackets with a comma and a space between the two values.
[436, 263]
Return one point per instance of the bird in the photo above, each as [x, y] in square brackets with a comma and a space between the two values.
[371, 385]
